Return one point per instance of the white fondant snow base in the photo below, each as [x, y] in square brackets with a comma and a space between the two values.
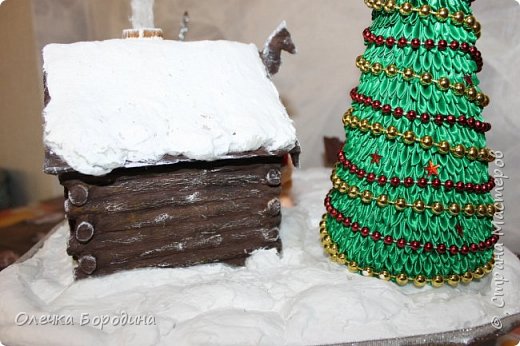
[299, 298]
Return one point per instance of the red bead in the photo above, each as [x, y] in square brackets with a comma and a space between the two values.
[464, 47]
[395, 181]
[402, 42]
[441, 248]
[376, 105]
[454, 250]
[347, 164]
[448, 185]
[464, 250]
[422, 182]
[473, 50]
[469, 187]
[388, 240]
[428, 247]
[470, 122]
[347, 222]
[355, 227]
[436, 183]
[371, 177]
[365, 231]
[478, 125]
[340, 217]
[376, 236]
[411, 115]
[415, 245]
[425, 118]
[482, 245]
[408, 181]
[334, 213]
[462, 120]
[416, 43]
[459, 186]
[390, 41]
[442, 44]
[473, 247]
[386, 109]
[495, 238]
[489, 187]
[353, 169]
[372, 37]
[401, 243]
[439, 119]
[429, 44]
[361, 173]
[382, 180]
[366, 34]
[454, 45]
[398, 112]
[489, 244]
[368, 101]
[380, 40]
[478, 188]
[361, 98]
[450, 119]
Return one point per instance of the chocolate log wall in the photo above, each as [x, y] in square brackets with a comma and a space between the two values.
[174, 215]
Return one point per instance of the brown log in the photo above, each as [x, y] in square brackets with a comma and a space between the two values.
[78, 194]
[84, 232]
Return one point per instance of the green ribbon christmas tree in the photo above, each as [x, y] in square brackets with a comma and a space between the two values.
[411, 197]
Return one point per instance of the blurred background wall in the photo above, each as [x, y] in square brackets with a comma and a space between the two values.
[314, 84]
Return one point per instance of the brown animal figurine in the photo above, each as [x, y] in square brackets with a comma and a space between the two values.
[279, 40]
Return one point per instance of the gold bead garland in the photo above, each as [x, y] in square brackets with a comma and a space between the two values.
[442, 14]
[331, 248]
[409, 137]
[425, 78]
[419, 206]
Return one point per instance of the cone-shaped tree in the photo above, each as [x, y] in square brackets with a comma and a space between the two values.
[411, 197]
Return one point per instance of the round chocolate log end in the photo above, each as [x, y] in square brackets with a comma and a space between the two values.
[78, 195]
[87, 264]
[274, 207]
[84, 232]
[274, 177]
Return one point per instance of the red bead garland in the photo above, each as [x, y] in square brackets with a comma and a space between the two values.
[401, 243]
[436, 183]
[425, 118]
[415, 43]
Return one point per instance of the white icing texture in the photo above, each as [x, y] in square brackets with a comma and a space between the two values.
[122, 103]
[298, 298]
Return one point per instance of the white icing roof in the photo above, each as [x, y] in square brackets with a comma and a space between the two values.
[122, 103]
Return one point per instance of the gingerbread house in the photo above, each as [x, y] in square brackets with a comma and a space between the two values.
[169, 152]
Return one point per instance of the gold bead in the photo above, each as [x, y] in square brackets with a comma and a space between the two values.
[469, 210]
[478, 273]
[366, 197]
[438, 281]
[408, 74]
[488, 268]
[323, 223]
[426, 142]
[360, 61]
[326, 240]
[471, 93]
[364, 125]
[400, 204]
[353, 192]
[377, 68]
[346, 119]
[409, 137]
[491, 210]
[323, 233]
[342, 259]
[486, 101]
[443, 13]
[391, 70]
[457, 18]
[382, 201]
[385, 275]
[425, 10]
[406, 8]
[370, 3]
[444, 147]
[479, 98]
[390, 6]
[472, 153]
[332, 249]
[469, 21]
[401, 279]
[419, 206]
[368, 272]
[458, 88]
[454, 209]
[366, 67]
[466, 278]
[437, 208]
[454, 280]
[377, 129]
[354, 122]
[343, 187]
[353, 267]
[476, 27]
[459, 150]
[391, 132]
[378, 5]
[426, 78]
[420, 281]
[482, 154]
[444, 83]
[481, 210]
